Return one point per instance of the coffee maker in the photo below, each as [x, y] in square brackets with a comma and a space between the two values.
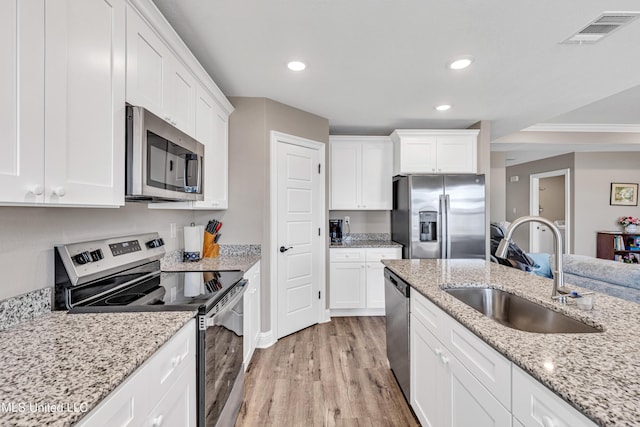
[335, 230]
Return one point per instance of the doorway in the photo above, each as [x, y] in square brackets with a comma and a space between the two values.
[297, 233]
[550, 198]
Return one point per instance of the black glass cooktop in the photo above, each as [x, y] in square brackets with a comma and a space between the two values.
[164, 291]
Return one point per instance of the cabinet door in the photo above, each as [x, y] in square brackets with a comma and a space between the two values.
[178, 406]
[470, 404]
[180, 92]
[427, 397]
[377, 165]
[418, 155]
[251, 320]
[346, 163]
[218, 161]
[22, 101]
[84, 102]
[147, 63]
[375, 285]
[347, 285]
[535, 405]
[457, 153]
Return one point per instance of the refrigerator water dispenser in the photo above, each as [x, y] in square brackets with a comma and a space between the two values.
[428, 226]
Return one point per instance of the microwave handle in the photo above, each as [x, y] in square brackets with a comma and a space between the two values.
[193, 158]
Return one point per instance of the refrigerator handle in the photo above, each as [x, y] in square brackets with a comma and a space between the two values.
[443, 227]
[447, 209]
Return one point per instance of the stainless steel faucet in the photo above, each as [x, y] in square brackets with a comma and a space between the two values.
[558, 275]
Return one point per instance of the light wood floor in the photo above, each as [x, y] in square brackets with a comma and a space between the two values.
[332, 374]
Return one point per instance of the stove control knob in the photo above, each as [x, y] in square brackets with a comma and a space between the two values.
[83, 257]
[155, 243]
[96, 255]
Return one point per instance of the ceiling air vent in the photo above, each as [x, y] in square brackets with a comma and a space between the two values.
[601, 27]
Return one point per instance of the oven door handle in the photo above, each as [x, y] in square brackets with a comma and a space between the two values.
[210, 319]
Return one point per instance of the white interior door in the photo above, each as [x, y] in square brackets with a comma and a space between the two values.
[300, 265]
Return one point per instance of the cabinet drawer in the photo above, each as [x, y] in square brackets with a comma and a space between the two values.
[427, 313]
[490, 368]
[536, 405]
[377, 254]
[170, 360]
[347, 255]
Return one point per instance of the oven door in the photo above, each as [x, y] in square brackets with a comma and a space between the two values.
[220, 368]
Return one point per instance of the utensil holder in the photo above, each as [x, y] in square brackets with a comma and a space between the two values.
[210, 249]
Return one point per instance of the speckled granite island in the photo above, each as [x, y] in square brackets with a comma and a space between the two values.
[597, 373]
[58, 367]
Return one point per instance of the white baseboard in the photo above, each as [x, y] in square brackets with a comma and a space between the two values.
[266, 339]
[327, 316]
[342, 312]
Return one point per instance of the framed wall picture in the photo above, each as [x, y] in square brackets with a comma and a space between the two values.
[624, 194]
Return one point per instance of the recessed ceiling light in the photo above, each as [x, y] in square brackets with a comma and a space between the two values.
[296, 65]
[443, 107]
[461, 62]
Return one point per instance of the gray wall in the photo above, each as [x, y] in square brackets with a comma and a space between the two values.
[552, 198]
[498, 185]
[366, 221]
[247, 219]
[517, 193]
[28, 235]
[594, 173]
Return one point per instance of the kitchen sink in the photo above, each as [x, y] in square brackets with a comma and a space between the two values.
[519, 313]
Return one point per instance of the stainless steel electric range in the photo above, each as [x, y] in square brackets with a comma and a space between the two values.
[123, 274]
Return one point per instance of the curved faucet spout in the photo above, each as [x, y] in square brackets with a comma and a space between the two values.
[503, 247]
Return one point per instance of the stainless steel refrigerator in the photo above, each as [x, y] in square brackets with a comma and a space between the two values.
[439, 216]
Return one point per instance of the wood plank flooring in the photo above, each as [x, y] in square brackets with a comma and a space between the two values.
[331, 374]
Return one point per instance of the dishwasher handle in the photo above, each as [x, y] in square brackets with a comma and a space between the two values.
[397, 283]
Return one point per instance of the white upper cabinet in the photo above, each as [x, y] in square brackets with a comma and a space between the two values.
[435, 151]
[164, 77]
[212, 129]
[360, 175]
[22, 101]
[63, 102]
[156, 79]
[84, 102]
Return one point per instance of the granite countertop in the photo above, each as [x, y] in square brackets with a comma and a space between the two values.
[366, 244]
[75, 361]
[222, 262]
[597, 373]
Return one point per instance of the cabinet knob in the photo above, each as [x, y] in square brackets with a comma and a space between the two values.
[548, 422]
[36, 189]
[59, 191]
[438, 352]
[157, 421]
[445, 360]
[175, 361]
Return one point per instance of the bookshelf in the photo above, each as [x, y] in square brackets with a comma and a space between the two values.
[616, 245]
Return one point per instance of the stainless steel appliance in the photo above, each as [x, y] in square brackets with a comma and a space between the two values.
[439, 216]
[335, 230]
[396, 294]
[123, 274]
[162, 162]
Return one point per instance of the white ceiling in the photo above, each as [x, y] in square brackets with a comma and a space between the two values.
[379, 65]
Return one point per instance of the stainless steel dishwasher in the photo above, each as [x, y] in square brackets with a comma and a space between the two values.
[396, 293]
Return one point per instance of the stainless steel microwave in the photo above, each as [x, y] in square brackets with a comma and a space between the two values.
[163, 163]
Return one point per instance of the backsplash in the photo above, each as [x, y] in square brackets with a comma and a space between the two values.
[173, 257]
[368, 236]
[24, 307]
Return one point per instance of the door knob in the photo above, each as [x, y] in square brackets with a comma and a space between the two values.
[283, 249]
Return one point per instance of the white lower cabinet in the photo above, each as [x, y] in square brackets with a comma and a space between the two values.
[459, 380]
[535, 405]
[356, 280]
[160, 392]
[251, 318]
[443, 391]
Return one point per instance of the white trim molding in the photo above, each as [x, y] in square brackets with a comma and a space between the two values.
[266, 339]
[583, 127]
